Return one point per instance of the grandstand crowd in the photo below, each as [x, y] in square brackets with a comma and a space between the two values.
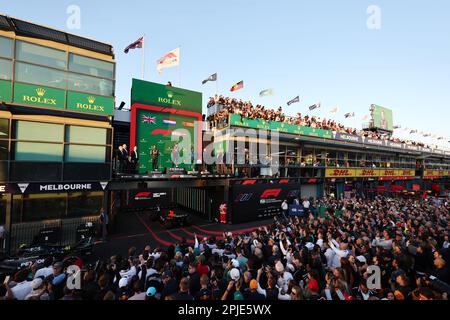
[323, 255]
[247, 110]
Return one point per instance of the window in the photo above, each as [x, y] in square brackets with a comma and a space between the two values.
[45, 56]
[90, 85]
[85, 154]
[4, 145]
[35, 151]
[37, 131]
[83, 204]
[42, 133]
[5, 69]
[5, 47]
[40, 75]
[91, 67]
[86, 135]
[4, 128]
[37, 207]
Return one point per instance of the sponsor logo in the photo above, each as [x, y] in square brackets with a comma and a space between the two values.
[244, 197]
[39, 98]
[389, 172]
[367, 173]
[271, 193]
[90, 105]
[341, 172]
[23, 186]
[170, 100]
[143, 196]
[349, 138]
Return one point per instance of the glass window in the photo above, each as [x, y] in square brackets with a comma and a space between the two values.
[37, 131]
[87, 135]
[37, 207]
[2, 210]
[85, 154]
[5, 47]
[91, 67]
[4, 128]
[30, 52]
[90, 85]
[34, 151]
[83, 204]
[5, 69]
[4, 145]
[40, 75]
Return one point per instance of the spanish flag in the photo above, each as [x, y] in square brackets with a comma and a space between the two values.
[237, 86]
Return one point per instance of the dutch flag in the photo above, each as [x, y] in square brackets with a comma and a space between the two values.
[170, 122]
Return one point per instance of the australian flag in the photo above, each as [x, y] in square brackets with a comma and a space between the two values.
[212, 77]
[148, 119]
[137, 44]
[314, 106]
[295, 100]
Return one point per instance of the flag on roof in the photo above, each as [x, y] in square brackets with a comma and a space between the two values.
[139, 43]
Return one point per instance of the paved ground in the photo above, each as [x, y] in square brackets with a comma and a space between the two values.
[136, 229]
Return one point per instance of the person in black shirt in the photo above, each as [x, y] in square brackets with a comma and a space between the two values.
[134, 160]
[183, 293]
[194, 279]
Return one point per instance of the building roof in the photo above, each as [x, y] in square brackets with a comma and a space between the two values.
[28, 29]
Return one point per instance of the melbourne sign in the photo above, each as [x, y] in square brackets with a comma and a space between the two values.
[27, 188]
[39, 96]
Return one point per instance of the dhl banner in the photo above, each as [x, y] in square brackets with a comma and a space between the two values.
[388, 172]
[340, 173]
[361, 173]
[405, 173]
[367, 173]
[431, 174]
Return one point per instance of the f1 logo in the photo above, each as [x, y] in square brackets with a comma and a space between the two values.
[274, 193]
[244, 197]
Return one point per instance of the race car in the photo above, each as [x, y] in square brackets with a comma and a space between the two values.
[28, 255]
[172, 219]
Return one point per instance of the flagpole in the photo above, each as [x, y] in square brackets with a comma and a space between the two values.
[178, 69]
[143, 57]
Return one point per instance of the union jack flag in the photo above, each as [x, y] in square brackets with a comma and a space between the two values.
[148, 119]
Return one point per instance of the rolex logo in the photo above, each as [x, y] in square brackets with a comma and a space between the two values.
[91, 99]
[170, 94]
[40, 92]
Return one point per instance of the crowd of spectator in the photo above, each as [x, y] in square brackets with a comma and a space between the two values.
[323, 255]
[246, 110]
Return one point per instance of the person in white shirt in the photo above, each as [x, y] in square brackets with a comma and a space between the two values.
[340, 252]
[306, 204]
[22, 288]
[45, 271]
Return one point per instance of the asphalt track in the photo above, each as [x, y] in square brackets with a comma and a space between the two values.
[135, 229]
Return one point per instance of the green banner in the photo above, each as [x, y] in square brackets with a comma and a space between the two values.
[165, 96]
[39, 96]
[382, 118]
[90, 103]
[5, 90]
[236, 120]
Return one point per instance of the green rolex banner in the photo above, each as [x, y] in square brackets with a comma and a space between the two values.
[39, 96]
[90, 103]
[236, 120]
[5, 90]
